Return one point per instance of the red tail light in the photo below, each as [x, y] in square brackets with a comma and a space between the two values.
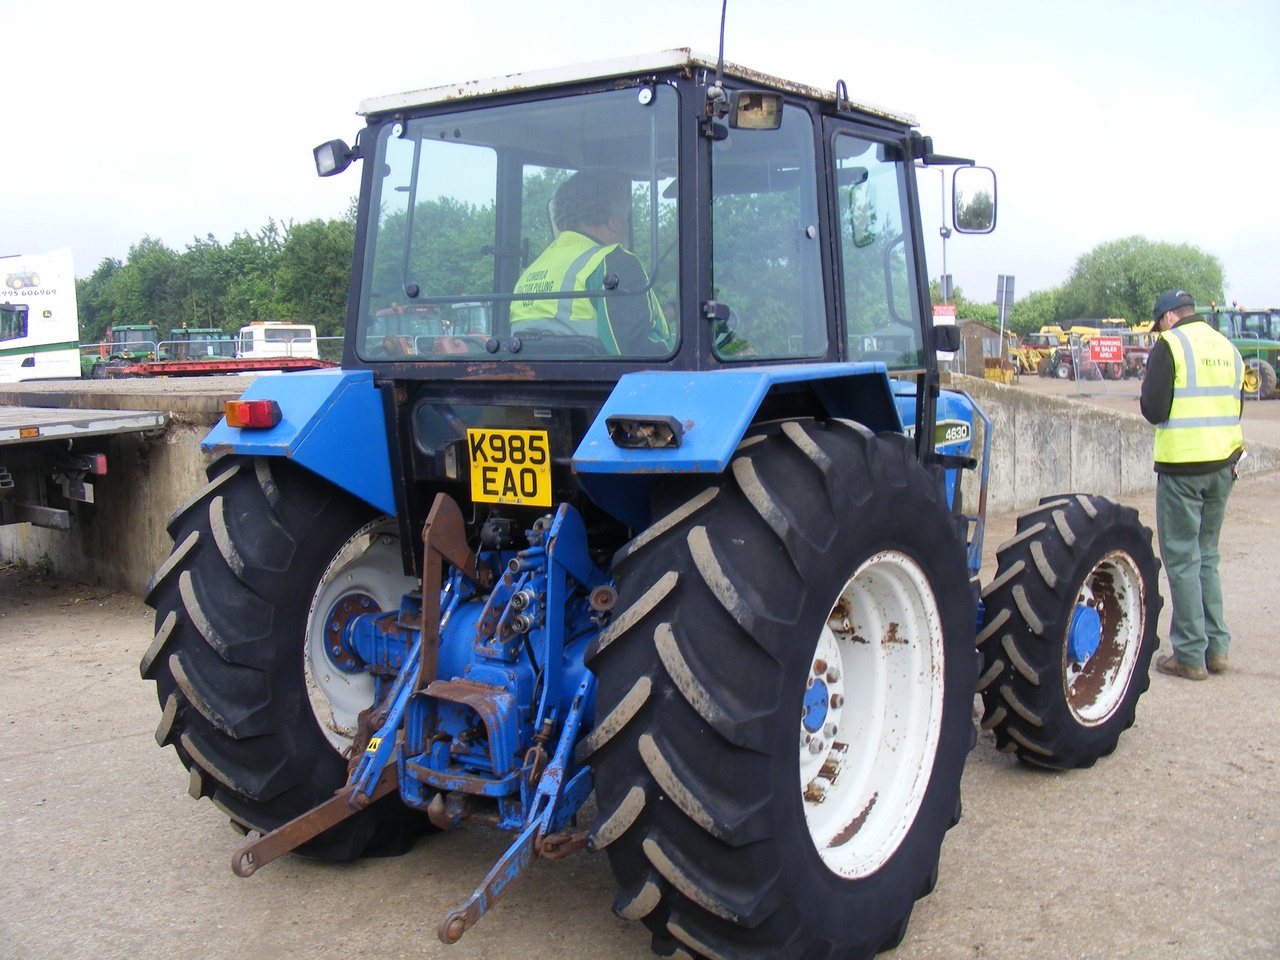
[253, 414]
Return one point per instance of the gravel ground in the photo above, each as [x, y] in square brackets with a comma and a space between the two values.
[1170, 848]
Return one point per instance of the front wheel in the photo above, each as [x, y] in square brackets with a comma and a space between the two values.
[1069, 630]
[1260, 379]
[250, 700]
[785, 700]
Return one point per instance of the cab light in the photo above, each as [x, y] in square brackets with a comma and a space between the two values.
[253, 414]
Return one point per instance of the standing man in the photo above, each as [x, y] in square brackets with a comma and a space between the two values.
[1193, 393]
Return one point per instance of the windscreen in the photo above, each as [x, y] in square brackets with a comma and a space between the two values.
[542, 230]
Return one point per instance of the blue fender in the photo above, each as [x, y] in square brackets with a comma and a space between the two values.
[714, 409]
[331, 422]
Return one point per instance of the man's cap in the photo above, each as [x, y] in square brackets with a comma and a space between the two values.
[1172, 300]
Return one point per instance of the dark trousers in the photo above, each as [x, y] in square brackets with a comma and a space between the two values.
[1189, 514]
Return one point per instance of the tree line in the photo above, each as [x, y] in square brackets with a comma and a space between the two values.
[294, 271]
[300, 272]
[1116, 279]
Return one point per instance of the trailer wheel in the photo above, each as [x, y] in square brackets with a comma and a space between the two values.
[785, 699]
[1069, 630]
[249, 700]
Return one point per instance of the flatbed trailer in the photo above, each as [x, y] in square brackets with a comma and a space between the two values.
[204, 368]
[50, 457]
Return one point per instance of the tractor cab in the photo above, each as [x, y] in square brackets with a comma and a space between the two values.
[663, 214]
[762, 221]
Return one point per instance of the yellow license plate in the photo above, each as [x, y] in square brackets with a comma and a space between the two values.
[510, 466]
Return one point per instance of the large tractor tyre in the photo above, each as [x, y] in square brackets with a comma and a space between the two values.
[250, 701]
[1259, 379]
[785, 700]
[1069, 630]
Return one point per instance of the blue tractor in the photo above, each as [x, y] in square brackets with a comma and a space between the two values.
[715, 570]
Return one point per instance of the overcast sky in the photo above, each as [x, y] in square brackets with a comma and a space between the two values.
[1102, 119]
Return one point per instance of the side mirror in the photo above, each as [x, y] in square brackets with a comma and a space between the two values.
[973, 199]
[332, 157]
[755, 110]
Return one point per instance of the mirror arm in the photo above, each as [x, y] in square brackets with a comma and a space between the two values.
[938, 160]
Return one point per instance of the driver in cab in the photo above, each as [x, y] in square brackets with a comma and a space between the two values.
[592, 210]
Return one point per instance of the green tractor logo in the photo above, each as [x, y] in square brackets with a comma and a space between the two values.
[16, 281]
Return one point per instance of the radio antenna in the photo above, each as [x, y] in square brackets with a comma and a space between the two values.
[724, 7]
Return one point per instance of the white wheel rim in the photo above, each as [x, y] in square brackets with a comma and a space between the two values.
[370, 564]
[1096, 687]
[879, 669]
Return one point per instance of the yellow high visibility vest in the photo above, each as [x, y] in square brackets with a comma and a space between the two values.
[568, 265]
[1204, 419]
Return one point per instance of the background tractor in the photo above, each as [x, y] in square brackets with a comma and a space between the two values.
[723, 579]
[1256, 334]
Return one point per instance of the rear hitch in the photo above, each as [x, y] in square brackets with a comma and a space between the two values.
[345, 803]
[554, 803]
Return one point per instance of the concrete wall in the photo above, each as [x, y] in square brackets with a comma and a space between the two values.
[1041, 445]
[1044, 445]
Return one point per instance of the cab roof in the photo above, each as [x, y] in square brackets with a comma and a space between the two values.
[678, 58]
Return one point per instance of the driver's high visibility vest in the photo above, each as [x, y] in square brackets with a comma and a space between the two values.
[571, 264]
[1204, 419]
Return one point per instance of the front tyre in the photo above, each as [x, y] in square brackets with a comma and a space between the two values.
[1259, 379]
[1069, 630]
[250, 702]
[785, 700]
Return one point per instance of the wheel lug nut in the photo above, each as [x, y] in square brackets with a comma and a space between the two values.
[829, 729]
[833, 675]
[819, 667]
[816, 745]
[837, 701]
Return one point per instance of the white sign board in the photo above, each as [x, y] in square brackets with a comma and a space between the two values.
[39, 330]
[944, 314]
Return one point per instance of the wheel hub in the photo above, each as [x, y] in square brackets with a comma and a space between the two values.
[1084, 635]
[343, 612]
[1103, 639]
[368, 567]
[815, 704]
[871, 715]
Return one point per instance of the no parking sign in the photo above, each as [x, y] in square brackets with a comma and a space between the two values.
[1106, 350]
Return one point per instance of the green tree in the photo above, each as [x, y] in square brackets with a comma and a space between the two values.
[93, 300]
[1123, 278]
[1039, 308]
[143, 289]
[976, 213]
[313, 274]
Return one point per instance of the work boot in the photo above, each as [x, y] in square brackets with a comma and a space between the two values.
[1216, 662]
[1173, 668]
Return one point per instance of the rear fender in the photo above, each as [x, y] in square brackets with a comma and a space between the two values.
[332, 423]
[714, 409]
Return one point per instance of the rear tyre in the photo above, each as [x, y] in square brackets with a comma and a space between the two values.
[249, 701]
[785, 701]
[1069, 630]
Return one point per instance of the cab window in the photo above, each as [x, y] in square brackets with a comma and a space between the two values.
[877, 262]
[766, 255]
